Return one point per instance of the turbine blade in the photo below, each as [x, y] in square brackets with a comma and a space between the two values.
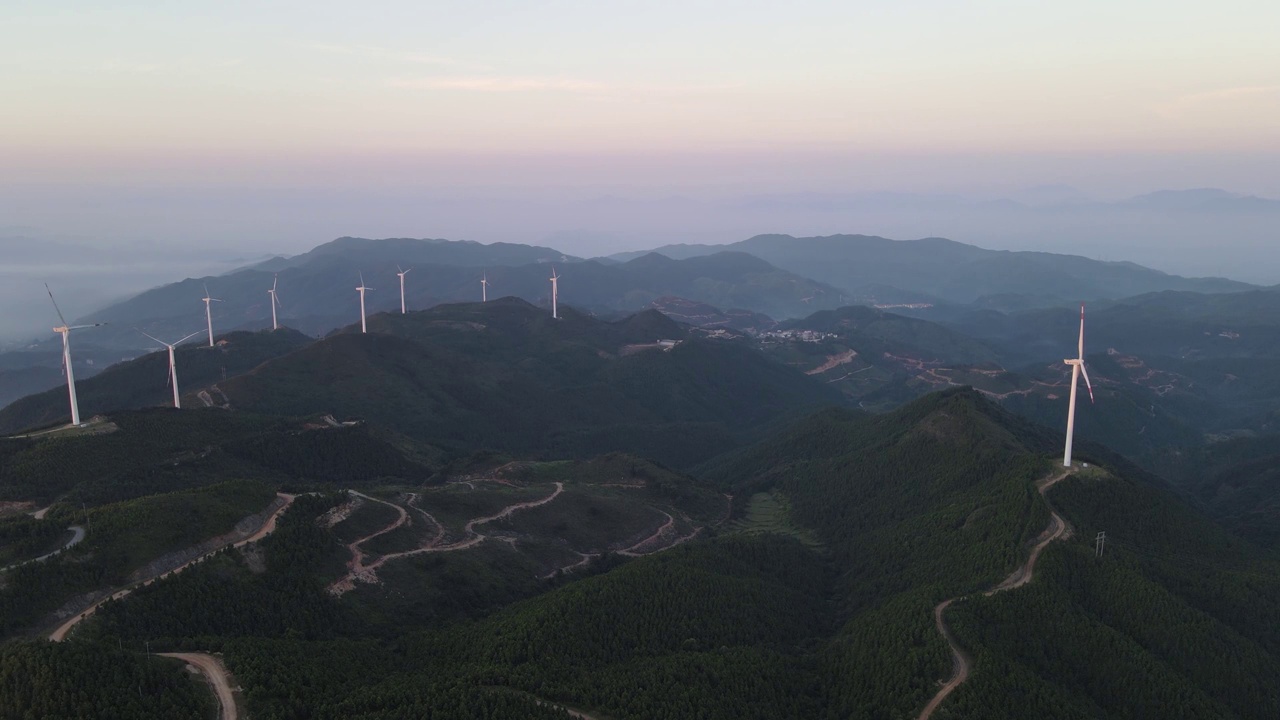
[275, 282]
[206, 289]
[1086, 381]
[81, 327]
[158, 339]
[55, 305]
[1081, 347]
[198, 332]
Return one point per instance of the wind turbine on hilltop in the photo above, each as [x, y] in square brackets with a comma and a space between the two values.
[208, 314]
[65, 331]
[1077, 368]
[173, 365]
[275, 301]
[555, 293]
[361, 290]
[484, 287]
[402, 273]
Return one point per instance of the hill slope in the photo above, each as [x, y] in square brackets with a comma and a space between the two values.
[317, 290]
[143, 381]
[504, 375]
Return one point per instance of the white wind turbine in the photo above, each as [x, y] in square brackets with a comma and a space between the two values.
[484, 287]
[208, 314]
[361, 290]
[173, 365]
[65, 331]
[555, 293]
[275, 302]
[1077, 368]
[402, 273]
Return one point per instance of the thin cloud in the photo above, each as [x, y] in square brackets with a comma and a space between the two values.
[370, 51]
[500, 84]
[1235, 96]
[497, 84]
[130, 68]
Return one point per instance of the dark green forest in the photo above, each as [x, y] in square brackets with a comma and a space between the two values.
[812, 597]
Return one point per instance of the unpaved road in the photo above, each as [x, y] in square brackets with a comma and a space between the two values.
[213, 670]
[960, 660]
[77, 534]
[367, 573]
[634, 550]
[60, 633]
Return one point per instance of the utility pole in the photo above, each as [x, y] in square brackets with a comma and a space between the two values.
[1099, 544]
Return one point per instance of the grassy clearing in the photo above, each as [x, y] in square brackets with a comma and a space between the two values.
[586, 521]
[456, 505]
[771, 513]
[415, 533]
[367, 519]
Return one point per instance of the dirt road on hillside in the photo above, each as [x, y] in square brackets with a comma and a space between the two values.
[267, 528]
[961, 663]
[213, 670]
[368, 573]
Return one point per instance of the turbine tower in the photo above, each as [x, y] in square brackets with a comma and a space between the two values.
[275, 301]
[555, 293]
[361, 290]
[173, 365]
[402, 273]
[65, 331]
[484, 287]
[208, 314]
[1077, 368]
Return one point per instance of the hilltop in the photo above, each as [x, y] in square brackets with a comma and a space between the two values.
[142, 382]
[316, 290]
[504, 375]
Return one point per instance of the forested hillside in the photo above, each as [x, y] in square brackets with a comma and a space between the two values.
[813, 597]
[143, 382]
[504, 375]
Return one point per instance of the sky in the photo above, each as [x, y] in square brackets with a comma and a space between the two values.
[252, 127]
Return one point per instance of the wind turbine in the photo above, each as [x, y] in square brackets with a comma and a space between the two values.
[1077, 367]
[65, 331]
[173, 365]
[402, 273]
[275, 301]
[484, 287]
[208, 314]
[361, 290]
[555, 293]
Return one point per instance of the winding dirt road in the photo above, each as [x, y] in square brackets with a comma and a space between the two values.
[213, 671]
[961, 663]
[77, 534]
[267, 528]
[368, 573]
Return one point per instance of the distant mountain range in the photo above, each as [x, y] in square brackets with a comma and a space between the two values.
[938, 268]
[775, 275]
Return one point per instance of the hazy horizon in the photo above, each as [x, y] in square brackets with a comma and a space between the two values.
[182, 138]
